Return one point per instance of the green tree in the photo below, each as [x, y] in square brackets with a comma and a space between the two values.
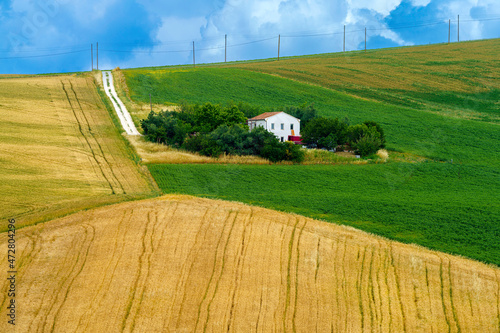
[164, 128]
[369, 143]
[324, 132]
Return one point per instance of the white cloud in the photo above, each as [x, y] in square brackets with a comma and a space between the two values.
[420, 3]
[383, 7]
[180, 29]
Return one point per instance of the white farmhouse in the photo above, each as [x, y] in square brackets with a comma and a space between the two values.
[280, 124]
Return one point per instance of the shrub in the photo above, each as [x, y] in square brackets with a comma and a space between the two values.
[294, 153]
[369, 143]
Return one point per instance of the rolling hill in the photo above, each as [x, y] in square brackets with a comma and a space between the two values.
[185, 264]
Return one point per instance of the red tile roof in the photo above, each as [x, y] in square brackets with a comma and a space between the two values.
[265, 115]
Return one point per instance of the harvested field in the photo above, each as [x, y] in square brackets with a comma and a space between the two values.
[59, 150]
[185, 264]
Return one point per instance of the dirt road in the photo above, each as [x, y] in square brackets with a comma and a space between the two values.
[121, 110]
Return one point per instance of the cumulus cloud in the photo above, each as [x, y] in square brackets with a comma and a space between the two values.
[137, 33]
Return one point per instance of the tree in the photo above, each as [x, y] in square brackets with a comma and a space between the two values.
[379, 129]
[324, 132]
[304, 112]
[369, 143]
[164, 128]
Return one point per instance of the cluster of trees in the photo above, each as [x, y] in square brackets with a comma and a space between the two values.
[212, 129]
[365, 138]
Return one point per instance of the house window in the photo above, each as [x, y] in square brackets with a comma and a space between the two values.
[291, 126]
[272, 125]
[282, 139]
[282, 126]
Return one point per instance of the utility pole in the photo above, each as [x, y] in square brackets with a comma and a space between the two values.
[365, 39]
[92, 55]
[194, 59]
[225, 48]
[279, 42]
[449, 30]
[344, 39]
[150, 104]
[97, 55]
[458, 29]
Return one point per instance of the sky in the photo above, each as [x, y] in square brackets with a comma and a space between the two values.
[53, 36]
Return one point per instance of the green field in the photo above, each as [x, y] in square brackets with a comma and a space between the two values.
[440, 102]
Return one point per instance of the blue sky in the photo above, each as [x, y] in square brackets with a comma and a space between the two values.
[44, 36]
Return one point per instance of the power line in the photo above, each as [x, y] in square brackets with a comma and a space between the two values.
[44, 55]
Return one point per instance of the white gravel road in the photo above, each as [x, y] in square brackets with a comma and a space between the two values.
[121, 110]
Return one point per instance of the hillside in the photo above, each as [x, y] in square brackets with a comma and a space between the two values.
[439, 102]
[60, 150]
[184, 264]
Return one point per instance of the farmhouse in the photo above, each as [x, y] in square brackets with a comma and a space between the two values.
[281, 124]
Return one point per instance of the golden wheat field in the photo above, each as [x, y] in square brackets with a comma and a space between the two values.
[185, 264]
[59, 149]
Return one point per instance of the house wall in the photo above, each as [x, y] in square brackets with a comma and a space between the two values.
[286, 120]
[254, 123]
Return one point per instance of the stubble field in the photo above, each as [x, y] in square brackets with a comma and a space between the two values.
[185, 264]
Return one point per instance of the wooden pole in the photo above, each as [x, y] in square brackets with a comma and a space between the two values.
[92, 55]
[279, 42]
[194, 59]
[97, 55]
[150, 103]
[225, 48]
[458, 29]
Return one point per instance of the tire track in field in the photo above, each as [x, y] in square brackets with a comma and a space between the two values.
[144, 270]
[453, 308]
[63, 286]
[359, 288]
[214, 268]
[50, 287]
[191, 258]
[448, 323]
[87, 140]
[239, 268]
[97, 298]
[288, 274]
[92, 228]
[398, 289]
[297, 264]
[224, 253]
[87, 123]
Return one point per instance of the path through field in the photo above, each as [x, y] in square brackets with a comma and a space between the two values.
[184, 264]
[121, 110]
